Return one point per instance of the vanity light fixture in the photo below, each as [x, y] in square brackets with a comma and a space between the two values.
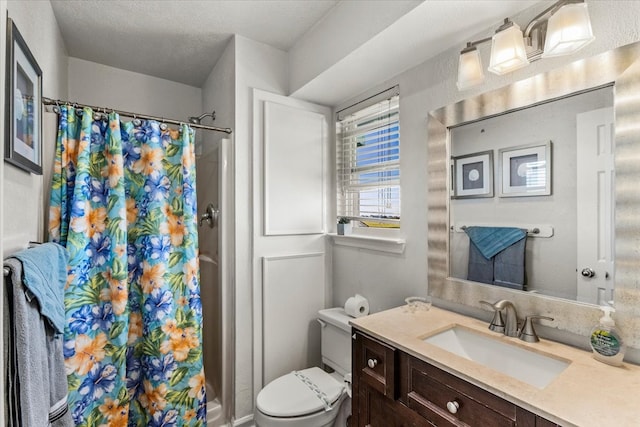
[563, 28]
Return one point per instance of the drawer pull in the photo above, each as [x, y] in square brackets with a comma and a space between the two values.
[453, 406]
[372, 363]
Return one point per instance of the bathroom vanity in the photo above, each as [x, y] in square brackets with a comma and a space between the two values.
[400, 378]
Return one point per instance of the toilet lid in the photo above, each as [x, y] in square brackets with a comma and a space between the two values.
[292, 395]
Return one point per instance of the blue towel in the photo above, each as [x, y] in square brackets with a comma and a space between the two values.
[492, 240]
[508, 266]
[45, 276]
[480, 268]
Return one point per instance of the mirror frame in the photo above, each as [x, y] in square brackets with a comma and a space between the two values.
[620, 66]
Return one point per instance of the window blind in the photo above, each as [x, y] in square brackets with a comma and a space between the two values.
[368, 164]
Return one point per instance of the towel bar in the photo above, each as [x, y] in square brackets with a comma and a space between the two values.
[6, 271]
[535, 230]
[532, 231]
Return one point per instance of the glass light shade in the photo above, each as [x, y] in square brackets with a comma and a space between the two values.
[568, 30]
[469, 69]
[507, 51]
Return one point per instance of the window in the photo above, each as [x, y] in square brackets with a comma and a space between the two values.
[368, 161]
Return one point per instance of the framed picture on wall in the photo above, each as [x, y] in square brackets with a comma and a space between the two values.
[23, 138]
[525, 170]
[473, 175]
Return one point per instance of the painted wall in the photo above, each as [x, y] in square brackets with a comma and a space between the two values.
[343, 29]
[218, 95]
[21, 194]
[262, 67]
[387, 279]
[37, 24]
[3, 30]
[103, 86]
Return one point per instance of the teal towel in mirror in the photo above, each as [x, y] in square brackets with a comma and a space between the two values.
[491, 240]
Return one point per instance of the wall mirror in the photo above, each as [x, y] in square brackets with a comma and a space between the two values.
[488, 123]
[567, 213]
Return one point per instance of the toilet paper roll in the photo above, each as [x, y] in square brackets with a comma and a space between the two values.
[357, 306]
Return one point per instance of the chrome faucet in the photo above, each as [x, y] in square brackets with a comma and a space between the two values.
[509, 327]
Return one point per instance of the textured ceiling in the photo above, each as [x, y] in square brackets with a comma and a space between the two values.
[181, 40]
[178, 40]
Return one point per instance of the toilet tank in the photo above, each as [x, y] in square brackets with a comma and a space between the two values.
[336, 339]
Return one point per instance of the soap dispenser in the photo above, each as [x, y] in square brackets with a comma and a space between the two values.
[606, 341]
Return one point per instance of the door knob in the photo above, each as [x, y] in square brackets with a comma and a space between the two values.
[588, 272]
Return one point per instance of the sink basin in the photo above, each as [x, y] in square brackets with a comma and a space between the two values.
[525, 365]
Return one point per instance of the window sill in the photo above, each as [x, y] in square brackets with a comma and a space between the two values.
[381, 244]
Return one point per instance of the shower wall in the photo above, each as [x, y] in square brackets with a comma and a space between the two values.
[207, 189]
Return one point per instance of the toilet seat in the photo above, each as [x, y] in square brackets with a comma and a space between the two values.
[292, 395]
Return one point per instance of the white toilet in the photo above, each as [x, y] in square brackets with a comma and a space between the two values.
[312, 397]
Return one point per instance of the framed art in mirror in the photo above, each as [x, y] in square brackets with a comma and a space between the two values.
[473, 175]
[525, 170]
[23, 138]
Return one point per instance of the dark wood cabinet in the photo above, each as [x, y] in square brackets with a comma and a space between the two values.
[394, 389]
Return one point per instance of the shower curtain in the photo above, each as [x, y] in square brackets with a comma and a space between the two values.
[123, 203]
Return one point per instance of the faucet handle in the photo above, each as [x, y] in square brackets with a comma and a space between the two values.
[497, 323]
[528, 333]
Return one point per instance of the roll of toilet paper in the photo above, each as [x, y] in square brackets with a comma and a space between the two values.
[357, 306]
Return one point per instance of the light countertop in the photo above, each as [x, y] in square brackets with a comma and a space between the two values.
[587, 393]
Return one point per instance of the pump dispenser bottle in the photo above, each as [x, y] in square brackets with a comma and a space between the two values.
[606, 341]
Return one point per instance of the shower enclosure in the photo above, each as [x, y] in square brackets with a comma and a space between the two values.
[215, 207]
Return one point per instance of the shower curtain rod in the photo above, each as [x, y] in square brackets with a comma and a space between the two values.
[58, 102]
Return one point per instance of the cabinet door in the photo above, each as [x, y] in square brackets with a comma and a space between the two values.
[375, 364]
[376, 410]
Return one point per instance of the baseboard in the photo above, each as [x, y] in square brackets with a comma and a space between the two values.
[246, 421]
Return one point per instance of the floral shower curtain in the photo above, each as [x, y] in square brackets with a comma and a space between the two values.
[123, 203]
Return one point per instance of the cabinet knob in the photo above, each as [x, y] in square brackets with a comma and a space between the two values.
[453, 406]
[372, 363]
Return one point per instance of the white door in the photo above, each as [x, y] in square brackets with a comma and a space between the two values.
[290, 173]
[595, 196]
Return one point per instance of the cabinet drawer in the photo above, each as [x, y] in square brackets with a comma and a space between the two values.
[428, 390]
[375, 362]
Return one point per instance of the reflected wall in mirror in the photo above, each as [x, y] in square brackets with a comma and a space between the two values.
[577, 213]
[619, 67]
